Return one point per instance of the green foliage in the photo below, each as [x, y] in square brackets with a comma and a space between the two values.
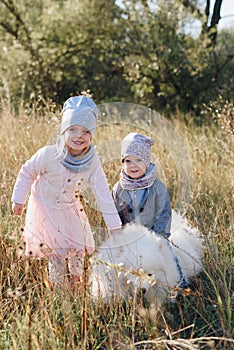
[73, 47]
[129, 51]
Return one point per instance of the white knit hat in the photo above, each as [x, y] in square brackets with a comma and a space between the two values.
[137, 145]
[79, 110]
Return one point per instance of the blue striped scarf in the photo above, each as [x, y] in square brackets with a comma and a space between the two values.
[77, 164]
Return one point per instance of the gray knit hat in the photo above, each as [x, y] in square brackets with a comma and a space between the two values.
[79, 110]
[137, 145]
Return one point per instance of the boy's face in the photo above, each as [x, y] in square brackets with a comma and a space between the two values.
[77, 139]
[134, 167]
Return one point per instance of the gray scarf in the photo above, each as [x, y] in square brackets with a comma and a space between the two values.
[77, 164]
[147, 180]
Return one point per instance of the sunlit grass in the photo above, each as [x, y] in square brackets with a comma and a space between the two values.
[35, 316]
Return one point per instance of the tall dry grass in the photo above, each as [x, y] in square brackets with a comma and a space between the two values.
[34, 316]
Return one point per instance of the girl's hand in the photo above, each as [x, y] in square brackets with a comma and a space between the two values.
[116, 230]
[17, 208]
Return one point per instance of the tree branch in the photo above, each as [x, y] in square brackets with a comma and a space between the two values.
[9, 4]
[207, 9]
[9, 29]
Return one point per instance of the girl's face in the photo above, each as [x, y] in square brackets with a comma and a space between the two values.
[77, 139]
[134, 167]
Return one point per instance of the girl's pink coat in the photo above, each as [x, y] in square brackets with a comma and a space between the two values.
[55, 200]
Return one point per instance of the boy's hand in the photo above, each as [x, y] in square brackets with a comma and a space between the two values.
[17, 208]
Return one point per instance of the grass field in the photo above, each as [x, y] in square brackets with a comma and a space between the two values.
[33, 316]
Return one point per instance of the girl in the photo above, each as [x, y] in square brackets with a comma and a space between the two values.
[140, 196]
[56, 226]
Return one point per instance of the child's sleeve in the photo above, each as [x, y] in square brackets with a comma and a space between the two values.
[114, 195]
[102, 194]
[163, 214]
[26, 177]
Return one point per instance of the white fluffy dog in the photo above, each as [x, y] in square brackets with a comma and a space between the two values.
[138, 259]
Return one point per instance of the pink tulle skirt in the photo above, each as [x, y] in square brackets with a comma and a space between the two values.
[56, 232]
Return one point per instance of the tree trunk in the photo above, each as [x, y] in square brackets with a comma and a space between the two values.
[216, 13]
[212, 28]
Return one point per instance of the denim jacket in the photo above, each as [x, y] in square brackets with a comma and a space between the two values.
[151, 209]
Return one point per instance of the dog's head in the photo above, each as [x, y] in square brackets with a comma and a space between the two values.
[145, 285]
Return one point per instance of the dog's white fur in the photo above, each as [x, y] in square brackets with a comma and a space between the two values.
[138, 259]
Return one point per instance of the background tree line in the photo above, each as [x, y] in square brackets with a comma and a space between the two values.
[131, 50]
